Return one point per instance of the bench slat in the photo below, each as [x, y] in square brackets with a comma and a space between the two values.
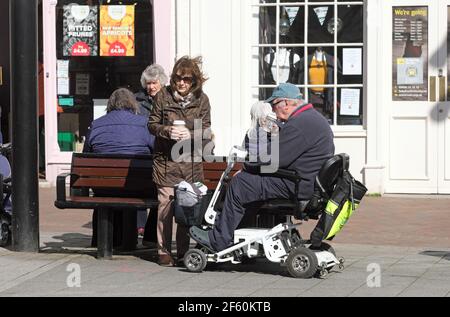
[111, 162]
[135, 183]
[219, 166]
[112, 172]
[211, 184]
[78, 202]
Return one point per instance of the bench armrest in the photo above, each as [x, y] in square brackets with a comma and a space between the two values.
[61, 186]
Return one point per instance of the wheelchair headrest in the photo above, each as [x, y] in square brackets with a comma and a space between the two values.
[330, 172]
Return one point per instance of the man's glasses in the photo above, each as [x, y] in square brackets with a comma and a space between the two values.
[186, 79]
[277, 103]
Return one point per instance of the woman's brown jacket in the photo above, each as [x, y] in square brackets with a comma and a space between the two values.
[168, 169]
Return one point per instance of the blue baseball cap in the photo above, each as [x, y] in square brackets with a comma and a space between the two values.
[285, 90]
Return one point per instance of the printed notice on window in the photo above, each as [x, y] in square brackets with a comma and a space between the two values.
[80, 30]
[117, 30]
[82, 84]
[410, 53]
[352, 61]
[63, 86]
[62, 69]
[350, 102]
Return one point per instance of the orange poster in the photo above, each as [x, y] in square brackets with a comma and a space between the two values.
[117, 30]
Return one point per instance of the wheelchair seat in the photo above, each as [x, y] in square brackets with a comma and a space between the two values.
[308, 209]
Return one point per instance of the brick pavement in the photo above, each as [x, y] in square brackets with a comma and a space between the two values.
[398, 221]
[405, 238]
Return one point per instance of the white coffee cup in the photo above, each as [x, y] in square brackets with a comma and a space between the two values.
[179, 124]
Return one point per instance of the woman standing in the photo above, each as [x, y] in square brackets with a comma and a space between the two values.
[153, 78]
[184, 100]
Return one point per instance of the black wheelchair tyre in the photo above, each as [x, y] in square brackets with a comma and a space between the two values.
[5, 230]
[195, 260]
[302, 263]
[5, 235]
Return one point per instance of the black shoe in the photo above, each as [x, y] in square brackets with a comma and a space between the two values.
[201, 236]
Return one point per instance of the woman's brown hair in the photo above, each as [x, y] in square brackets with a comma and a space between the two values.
[192, 66]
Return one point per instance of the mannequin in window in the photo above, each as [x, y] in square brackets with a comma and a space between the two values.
[321, 67]
[285, 58]
[318, 19]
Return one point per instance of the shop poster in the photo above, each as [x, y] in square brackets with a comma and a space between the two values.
[350, 102]
[410, 53]
[80, 30]
[117, 30]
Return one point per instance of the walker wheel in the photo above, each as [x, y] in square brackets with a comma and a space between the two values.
[323, 271]
[195, 260]
[302, 263]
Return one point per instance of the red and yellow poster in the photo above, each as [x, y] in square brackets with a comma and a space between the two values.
[117, 30]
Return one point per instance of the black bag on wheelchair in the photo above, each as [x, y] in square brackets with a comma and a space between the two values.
[189, 206]
[345, 199]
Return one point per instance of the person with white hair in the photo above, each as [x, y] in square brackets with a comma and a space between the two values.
[263, 128]
[153, 78]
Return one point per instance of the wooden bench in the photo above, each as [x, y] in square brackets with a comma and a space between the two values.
[106, 182]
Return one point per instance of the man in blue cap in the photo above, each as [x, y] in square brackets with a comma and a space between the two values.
[305, 143]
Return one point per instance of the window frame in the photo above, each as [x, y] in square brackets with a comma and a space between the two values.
[256, 85]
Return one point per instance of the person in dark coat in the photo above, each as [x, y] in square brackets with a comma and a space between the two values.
[153, 78]
[120, 131]
[305, 144]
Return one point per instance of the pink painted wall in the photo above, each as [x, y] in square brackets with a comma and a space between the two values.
[164, 43]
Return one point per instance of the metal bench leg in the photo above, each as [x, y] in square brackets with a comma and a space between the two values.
[105, 234]
[129, 232]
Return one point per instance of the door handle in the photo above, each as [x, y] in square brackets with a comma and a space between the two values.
[1, 75]
[433, 88]
[441, 89]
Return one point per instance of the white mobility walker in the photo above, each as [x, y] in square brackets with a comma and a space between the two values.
[283, 243]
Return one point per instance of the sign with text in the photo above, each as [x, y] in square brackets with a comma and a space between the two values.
[410, 53]
[117, 30]
[80, 30]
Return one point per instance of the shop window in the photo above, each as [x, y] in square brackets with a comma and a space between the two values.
[316, 45]
[92, 64]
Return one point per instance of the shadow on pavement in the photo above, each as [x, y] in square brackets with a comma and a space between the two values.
[260, 266]
[440, 254]
[70, 243]
[76, 243]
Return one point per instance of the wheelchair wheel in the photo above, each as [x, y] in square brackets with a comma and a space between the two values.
[195, 260]
[5, 232]
[302, 263]
[5, 235]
